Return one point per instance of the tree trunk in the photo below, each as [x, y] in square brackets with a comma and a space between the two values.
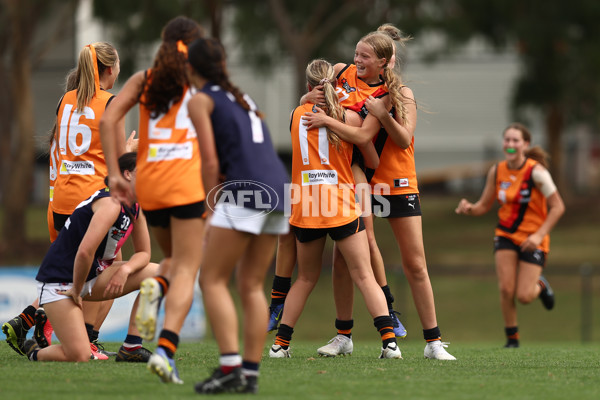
[554, 128]
[18, 180]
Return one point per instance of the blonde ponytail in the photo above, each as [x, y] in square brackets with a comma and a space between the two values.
[321, 72]
[93, 60]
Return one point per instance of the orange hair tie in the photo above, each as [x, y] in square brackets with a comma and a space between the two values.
[182, 47]
[95, 65]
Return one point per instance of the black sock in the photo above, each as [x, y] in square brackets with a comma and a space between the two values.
[284, 336]
[281, 287]
[388, 295]
[163, 283]
[90, 332]
[512, 334]
[168, 341]
[344, 327]
[386, 329]
[432, 334]
[28, 317]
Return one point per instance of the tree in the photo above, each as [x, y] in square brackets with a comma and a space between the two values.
[21, 51]
[557, 45]
[136, 25]
[269, 30]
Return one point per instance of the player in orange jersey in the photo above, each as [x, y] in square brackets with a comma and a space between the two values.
[169, 186]
[530, 206]
[77, 170]
[323, 202]
[393, 182]
[354, 94]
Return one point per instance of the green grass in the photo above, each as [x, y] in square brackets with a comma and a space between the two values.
[451, 241]
[483, 371]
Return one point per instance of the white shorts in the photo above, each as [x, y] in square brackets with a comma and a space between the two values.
[250, 220]
[48, 292]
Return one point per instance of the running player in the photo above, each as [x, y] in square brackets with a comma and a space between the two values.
[169, 186]
[530, 206]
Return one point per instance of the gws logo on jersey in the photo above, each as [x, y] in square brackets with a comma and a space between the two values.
[504, 185]
[77, 168]
[319, 177]
[346, 86]
[170, 151]
[244, 194]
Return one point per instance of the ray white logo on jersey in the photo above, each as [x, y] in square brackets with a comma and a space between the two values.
[77, 168]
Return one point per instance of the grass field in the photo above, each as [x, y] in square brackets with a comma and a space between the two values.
[557, 370]
[451, 241]
[551, 364]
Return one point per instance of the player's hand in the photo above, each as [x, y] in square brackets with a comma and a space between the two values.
[464, 207]
[314, 120]
[74, 295]
[115, 286]
[121, 190]
[132, 143]
[315, 96]
[531, 243]
[376, 107]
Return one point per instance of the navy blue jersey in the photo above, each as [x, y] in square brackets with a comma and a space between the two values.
[57, 266]
[254, 174]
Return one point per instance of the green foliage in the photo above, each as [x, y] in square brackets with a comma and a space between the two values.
[136, 25]
[557, 46]
[483, 371]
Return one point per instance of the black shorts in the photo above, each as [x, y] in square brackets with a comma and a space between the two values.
[396, 206]
[305, 235]
[162, 218]
[537, 257]
[59, 220]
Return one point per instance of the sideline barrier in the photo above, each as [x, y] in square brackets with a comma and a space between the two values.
[18, 290]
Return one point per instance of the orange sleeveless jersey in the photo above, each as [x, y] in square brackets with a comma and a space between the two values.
[53, 171]
[396, 165]
[523, 207]
[322, 181]
[82, 168]
[168, 161]
[396, 168]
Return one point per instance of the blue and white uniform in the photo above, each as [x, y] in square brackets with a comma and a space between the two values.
[57, 266]
[255, 177]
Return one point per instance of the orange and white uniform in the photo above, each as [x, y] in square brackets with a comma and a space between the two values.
[523, 207]
[322, 182]
[81, 167]
[168, 160]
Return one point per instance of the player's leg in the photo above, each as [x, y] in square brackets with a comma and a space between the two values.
[282, 281]
[409, 236]
[506, 270]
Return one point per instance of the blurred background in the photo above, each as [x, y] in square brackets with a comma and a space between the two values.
[474, 66]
